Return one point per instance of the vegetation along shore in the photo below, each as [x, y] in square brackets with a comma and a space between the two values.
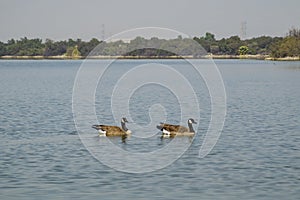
[263, 47]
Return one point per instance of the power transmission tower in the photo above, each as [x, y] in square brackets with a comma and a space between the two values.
[243, 29]
[103, 32]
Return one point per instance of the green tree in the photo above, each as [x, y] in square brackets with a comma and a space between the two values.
[210, 37]
[69, 51]
[288, 46]
[243, 50]
[75, 52]
[72, 52]
[214, 49]
[208, 42]
[12, 48]
[233, 43]
[55, 48]
[86, 47]
[2, 49]
[24, 46]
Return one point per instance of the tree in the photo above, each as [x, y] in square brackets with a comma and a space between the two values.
[2, 49]
[86, 47]
[209, 37]
[288, 46]
[208, 42]
[266, 45]
[205, 44]
[293, 32]
[55, 48]
[214, 49]
[24, 46]
[233, 43]
[73, 52]
[243, 50]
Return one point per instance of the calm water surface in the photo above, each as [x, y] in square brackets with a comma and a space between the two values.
[256, 157]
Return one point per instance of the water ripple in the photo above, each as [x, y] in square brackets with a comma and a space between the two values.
[256, 157]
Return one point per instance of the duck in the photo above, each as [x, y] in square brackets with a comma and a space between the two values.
[106, 130]
[170, 130]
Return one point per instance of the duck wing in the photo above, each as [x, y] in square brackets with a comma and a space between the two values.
[110, 128]
[167, 127]
[173, 128]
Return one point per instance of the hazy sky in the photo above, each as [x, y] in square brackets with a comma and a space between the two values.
[63, 19]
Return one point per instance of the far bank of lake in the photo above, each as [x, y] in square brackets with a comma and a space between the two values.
[210, 56]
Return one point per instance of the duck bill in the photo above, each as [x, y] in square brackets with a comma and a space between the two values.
[95, 127]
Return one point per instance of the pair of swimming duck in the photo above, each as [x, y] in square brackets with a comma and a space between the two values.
[168, 130]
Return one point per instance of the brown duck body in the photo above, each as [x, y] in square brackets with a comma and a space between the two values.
[107, 130]
[112, 130]
[174, 128]
[171, 130]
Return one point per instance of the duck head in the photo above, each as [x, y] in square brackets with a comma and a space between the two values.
[124, 120]
[192, 121]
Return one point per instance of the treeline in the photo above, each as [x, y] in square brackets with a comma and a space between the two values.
[288, 46]
[277, 47]
[36, 47]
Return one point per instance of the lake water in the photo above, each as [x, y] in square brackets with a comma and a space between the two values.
[256, 157]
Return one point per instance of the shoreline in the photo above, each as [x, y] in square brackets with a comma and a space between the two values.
[241, 57]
